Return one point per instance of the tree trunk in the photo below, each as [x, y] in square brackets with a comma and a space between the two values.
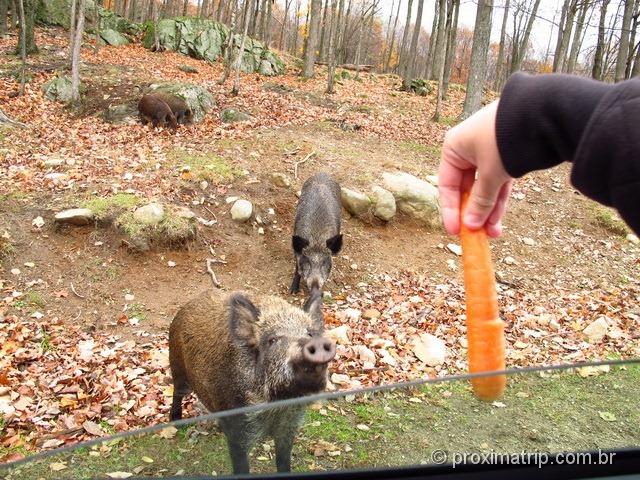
[635, 71]
[451, 48]
[597, 70]
[577, 37]
[393, 38]
[332, 57]
[428, 71]
[367, 38]
[478, 66]
[521, 51]
[312, 39]
[561, 27]
[156, 37]
[323, 30]
[96, 20]
[72, 29]
[387, 40]
[296, 33]
[248, 14]
[75, 59]
[287, 3]
[267, 33]
[623, 47]
[440, 46]
[229, 45]
[359, 45]
[565, 36]
[405, 37]
[408, 75]
[185, 8]
[23, 48]
[632, 41]
[4, 10]
[497, 85]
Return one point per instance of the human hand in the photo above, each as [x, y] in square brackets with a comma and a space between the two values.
[469, 148]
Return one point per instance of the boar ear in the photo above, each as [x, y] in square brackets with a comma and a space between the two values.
[335, 244]
[313, 306]
[243, 315]
[299, 243]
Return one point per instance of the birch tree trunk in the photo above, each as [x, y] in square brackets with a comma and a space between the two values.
[332, 58]
[577, 37]
[451, 48]
[408, 75]
[405, 37]
[229, 45]
[478, 66]
[623, 47]
[598, 57]
[393, 38]
[440, 45]
[521, 51]
[433, 40]
[497, 85]
[248, 13]
[23, 47]
[75, 59]
[312, 39]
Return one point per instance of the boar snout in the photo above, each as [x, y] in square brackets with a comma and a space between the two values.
[319, 351]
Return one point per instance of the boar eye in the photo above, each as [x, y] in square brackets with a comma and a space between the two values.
[272, 340]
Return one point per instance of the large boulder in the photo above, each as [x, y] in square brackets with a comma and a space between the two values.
[57, 12]
[354, 202]
[113, 37]
[204, 39]
[385, 203]
[123, 113]
[414, 197]
[58, 89]
[198, 98]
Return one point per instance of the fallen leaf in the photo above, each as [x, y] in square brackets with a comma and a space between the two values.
[92, 428]
[119, 474]
[607, 416]
[57, 466]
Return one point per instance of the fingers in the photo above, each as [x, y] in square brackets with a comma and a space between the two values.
[449, 182]
[494, 222]
[483, 200]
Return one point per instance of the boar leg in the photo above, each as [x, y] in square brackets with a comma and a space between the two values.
[295, 284]
[238, 440]
[284, 445]
[180, 388]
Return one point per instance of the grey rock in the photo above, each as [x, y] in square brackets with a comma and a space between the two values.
[356, 203]
[280, 180]
[188, 69]
[414, 197]
[75, 216]
[385, 203]
[241, 210]
[184, 212]
[596, 330]
[121, 114]
[231, 115]
[113, 37]
[58, 89]
[151, 214]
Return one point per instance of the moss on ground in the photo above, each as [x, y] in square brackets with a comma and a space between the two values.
[610, 221]
[209, 166]
[107, 208]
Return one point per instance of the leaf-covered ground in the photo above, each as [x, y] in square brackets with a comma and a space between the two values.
[83, 322]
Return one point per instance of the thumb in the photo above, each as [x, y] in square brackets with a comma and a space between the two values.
[484, 195]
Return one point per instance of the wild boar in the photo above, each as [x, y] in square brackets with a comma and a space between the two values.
[178, 107]
[242, 351]
[316, 231]
[155, 110]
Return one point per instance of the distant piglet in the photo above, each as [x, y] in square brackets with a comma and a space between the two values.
[243, 351]
[316, 231]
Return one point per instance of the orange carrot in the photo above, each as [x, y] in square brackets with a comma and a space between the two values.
[485, 329]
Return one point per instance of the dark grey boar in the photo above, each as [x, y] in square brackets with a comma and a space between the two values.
[316, 231]
[242, 351]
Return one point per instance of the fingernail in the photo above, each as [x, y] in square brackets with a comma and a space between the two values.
[473, 220]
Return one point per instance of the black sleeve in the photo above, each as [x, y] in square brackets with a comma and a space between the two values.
[547, 119]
